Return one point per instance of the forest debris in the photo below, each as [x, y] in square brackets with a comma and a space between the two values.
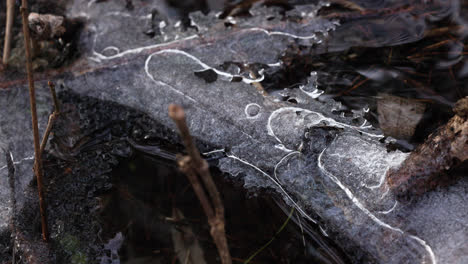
[459, 148]
[444, 149]
[46, 26]
[398, 116]
[186, 245]
[461, 107]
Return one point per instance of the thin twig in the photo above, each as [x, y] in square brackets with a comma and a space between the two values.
[185, 167]
[10, 13]
[52, 118]
[194, 167]
[178, 115]
[204, 172]
[50, 124]
[54, 96]
[32, 99]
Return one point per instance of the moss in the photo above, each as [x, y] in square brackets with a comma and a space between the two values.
[71, 245]
[78, 258]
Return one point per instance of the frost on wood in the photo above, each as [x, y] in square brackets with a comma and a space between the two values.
[330, 167]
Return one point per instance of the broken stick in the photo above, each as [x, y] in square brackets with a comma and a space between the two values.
[194, 167]
[425, 167]
[52, 118]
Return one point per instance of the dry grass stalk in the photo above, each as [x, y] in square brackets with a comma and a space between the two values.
[32, 99]
[10, 13]
[195, 167]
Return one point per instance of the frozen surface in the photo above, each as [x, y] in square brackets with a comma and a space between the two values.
[16, 141]
[330, 167]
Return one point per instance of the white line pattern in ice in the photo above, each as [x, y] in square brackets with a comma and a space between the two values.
[276, 183]
[281, 161]
[367, 212]
[206, 67]
[331, 122]
[100, 56]
[17, 162]
[163, 83]
[247, 113]
[285, 34]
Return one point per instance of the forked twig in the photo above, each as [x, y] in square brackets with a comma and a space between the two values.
[195, 167]
[10, 13]
[32, 99]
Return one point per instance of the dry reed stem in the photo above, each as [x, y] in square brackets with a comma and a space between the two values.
[32, 99]
[10, 13]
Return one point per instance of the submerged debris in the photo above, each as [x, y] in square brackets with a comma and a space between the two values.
[427, 166]
[398, 117]
[186, 245]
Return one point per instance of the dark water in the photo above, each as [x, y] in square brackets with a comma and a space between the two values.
[415, 50]
[146, 191]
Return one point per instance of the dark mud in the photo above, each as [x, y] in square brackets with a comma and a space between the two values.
[89, 139]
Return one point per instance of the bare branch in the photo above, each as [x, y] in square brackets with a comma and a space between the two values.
[194, 167]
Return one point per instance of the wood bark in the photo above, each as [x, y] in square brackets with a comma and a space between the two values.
[426, 167]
